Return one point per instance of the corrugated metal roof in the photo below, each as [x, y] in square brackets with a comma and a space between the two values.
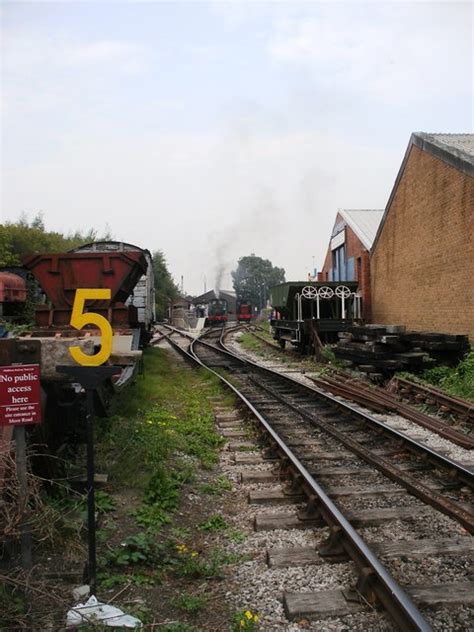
[457, 150]
[364, 222]
[458, 142]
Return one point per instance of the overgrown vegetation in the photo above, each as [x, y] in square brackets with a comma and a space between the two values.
[160, 439]
[26, 237]
[457, 381]
[249, 342]
[162, 433]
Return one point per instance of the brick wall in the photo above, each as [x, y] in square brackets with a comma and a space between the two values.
[422, 267]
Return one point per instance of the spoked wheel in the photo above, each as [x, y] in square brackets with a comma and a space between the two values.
[309, 292]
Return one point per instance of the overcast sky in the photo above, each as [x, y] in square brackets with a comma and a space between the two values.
[212, 130]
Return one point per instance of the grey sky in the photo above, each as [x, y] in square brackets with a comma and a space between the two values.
[213, 130]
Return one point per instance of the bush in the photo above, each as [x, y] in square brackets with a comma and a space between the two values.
[458, 381]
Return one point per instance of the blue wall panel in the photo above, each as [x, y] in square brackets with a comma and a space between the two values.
[350, 270]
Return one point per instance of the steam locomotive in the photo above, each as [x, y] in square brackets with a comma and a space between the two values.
[244, 312]
[217, 312]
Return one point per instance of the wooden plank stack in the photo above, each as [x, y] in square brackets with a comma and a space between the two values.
[389, 348]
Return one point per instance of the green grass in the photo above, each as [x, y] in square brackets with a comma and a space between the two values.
[236, 536]
[458, 381]
[214, 523]
[162, 430]
[221, 485]
[190, 603]
[251, 343]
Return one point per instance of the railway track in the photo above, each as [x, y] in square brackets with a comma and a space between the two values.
[348, 470]
[457, 410]
[381, 400]
[403, 397]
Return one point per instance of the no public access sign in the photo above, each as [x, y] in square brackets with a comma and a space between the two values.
[20, 395]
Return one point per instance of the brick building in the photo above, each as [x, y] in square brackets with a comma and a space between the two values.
[422, 259]
[348, 258]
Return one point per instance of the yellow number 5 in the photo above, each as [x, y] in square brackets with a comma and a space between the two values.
[80, 319]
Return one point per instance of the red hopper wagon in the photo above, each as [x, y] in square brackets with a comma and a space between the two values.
[60, 275]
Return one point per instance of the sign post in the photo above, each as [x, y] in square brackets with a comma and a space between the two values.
[90, 374]
[20, 406]
[90, 378]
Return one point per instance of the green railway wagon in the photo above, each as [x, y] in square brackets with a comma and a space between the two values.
[309, 313]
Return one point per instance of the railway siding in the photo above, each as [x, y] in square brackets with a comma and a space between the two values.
[382, 517]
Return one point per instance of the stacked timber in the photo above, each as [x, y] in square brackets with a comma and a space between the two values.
[388, 348]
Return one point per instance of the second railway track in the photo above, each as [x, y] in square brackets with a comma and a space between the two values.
[348, 471]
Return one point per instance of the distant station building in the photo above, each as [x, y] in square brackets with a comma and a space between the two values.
[422, 259]
[347, 257]
[181, 311]
[203, 300]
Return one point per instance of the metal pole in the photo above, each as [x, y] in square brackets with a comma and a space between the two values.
[21, 472]
[92, 565]
[25, 533]
[90, 379]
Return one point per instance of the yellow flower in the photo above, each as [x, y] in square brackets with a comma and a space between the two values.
[242, 623]
[194, 554]
[255, 618]
[248, 614]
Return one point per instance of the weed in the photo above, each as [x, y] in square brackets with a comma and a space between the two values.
[141, 611]
[168, 413]
[12, 607]
[237, 536]
[136, 549]
[152, 517]
[214, 523]
[192, 564]
[328, 355]
[163, 430]
[249, 342]
[104, 501]
[104, 533]
[217, 488]
[177, 626]
[181, 533]
[458, 381]
[190, 603]
[245, 620]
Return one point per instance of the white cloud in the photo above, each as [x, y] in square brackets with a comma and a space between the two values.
[102, 51]
[32, 53]
[395, 53]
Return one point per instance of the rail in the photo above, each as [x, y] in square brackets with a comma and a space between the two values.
[374, 578]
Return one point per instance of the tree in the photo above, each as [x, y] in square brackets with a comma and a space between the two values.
[166, 289]
[30, 238]
[254, 277]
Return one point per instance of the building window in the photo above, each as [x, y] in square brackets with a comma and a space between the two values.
[339, 263]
